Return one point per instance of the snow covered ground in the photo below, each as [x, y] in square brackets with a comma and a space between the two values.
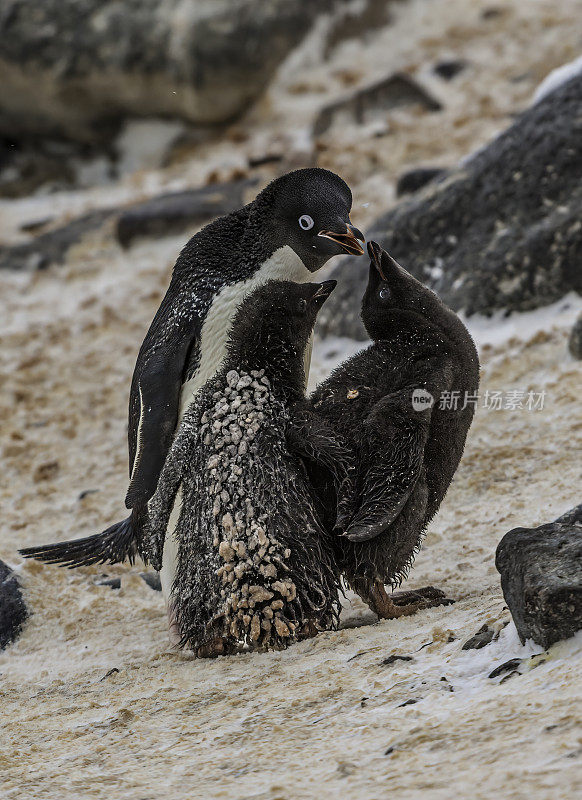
[94, 703]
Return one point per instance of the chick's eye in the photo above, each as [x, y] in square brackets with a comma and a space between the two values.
[306, 222]
[301, 306]
[384, 293]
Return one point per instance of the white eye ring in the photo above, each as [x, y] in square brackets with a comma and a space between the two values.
[306, 222]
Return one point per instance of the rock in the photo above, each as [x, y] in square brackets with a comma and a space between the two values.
[51, 247]
[416, 178]
[113, 583]
[152, 579]
[86, 492]
[173, 213]
[503, 231]
[27, 165]
[77, 67]
[13, 612]
[393, 658]
[482, 638]
[575, 340]
[366, 103]
[507, 666]
[541, 578]
[448, 68]
[163, 215]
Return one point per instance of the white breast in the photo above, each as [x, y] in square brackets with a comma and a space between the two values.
[284, 264]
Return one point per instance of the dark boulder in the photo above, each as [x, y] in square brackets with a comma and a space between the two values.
[367, 102]
[152, 579]
[51, 247]
[173, 213]
[13, 611]
[541, 578]
[164, 215]
[77, 67]
[503, 231]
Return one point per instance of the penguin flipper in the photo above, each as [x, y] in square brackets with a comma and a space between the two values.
[394, 449]
[112, 546]
[395, 435]
[155, 397]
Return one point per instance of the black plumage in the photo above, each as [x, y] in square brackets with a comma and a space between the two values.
[304, 218]
[407, 451]
[255, 566]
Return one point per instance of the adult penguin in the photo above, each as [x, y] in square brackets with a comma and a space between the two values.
[288, 232]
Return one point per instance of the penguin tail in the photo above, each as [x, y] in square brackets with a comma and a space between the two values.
[112, 546]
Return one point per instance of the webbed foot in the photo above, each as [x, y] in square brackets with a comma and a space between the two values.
[403, 604]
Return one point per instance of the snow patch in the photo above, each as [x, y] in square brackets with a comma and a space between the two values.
[556, 78]
[500, 327]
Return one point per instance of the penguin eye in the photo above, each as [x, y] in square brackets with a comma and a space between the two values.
[302, 306]
[306, 222]
[384, 293]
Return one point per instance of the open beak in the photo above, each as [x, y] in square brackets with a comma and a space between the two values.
[325, 289]
[375, 252]
[347, 240]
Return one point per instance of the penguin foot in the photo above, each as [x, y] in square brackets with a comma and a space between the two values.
[308, 630]
[219, 646]
[403, 604]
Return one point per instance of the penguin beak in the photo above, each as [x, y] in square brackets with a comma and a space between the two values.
[377, 255]
[347, 240]
[324, 290]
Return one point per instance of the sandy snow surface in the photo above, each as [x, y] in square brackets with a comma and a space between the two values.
[94, 703]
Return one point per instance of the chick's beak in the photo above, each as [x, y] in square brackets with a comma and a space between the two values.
[375, 253]
[347, 240]
[325, 289]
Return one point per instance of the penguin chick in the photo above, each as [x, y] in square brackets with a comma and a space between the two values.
[389, 402]
[255, 568]
[289, 231]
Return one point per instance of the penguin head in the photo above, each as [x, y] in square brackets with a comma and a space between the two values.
[393, 293]
[273, 326]
[309, 210]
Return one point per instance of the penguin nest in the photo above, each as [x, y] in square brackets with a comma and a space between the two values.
[255, 568]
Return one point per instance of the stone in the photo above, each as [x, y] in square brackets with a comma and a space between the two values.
[415, 179]
[366, 103]
[76, 68]
[152, 579]
[449, 68]
[113, 583]
[25, 165]
[502, 231]
[541, 578]
[51, 247]
[482, 638]
[393, 659]
[174, 212]
[13, 611]
[507, 666]
[164, 215]
[575, 340]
